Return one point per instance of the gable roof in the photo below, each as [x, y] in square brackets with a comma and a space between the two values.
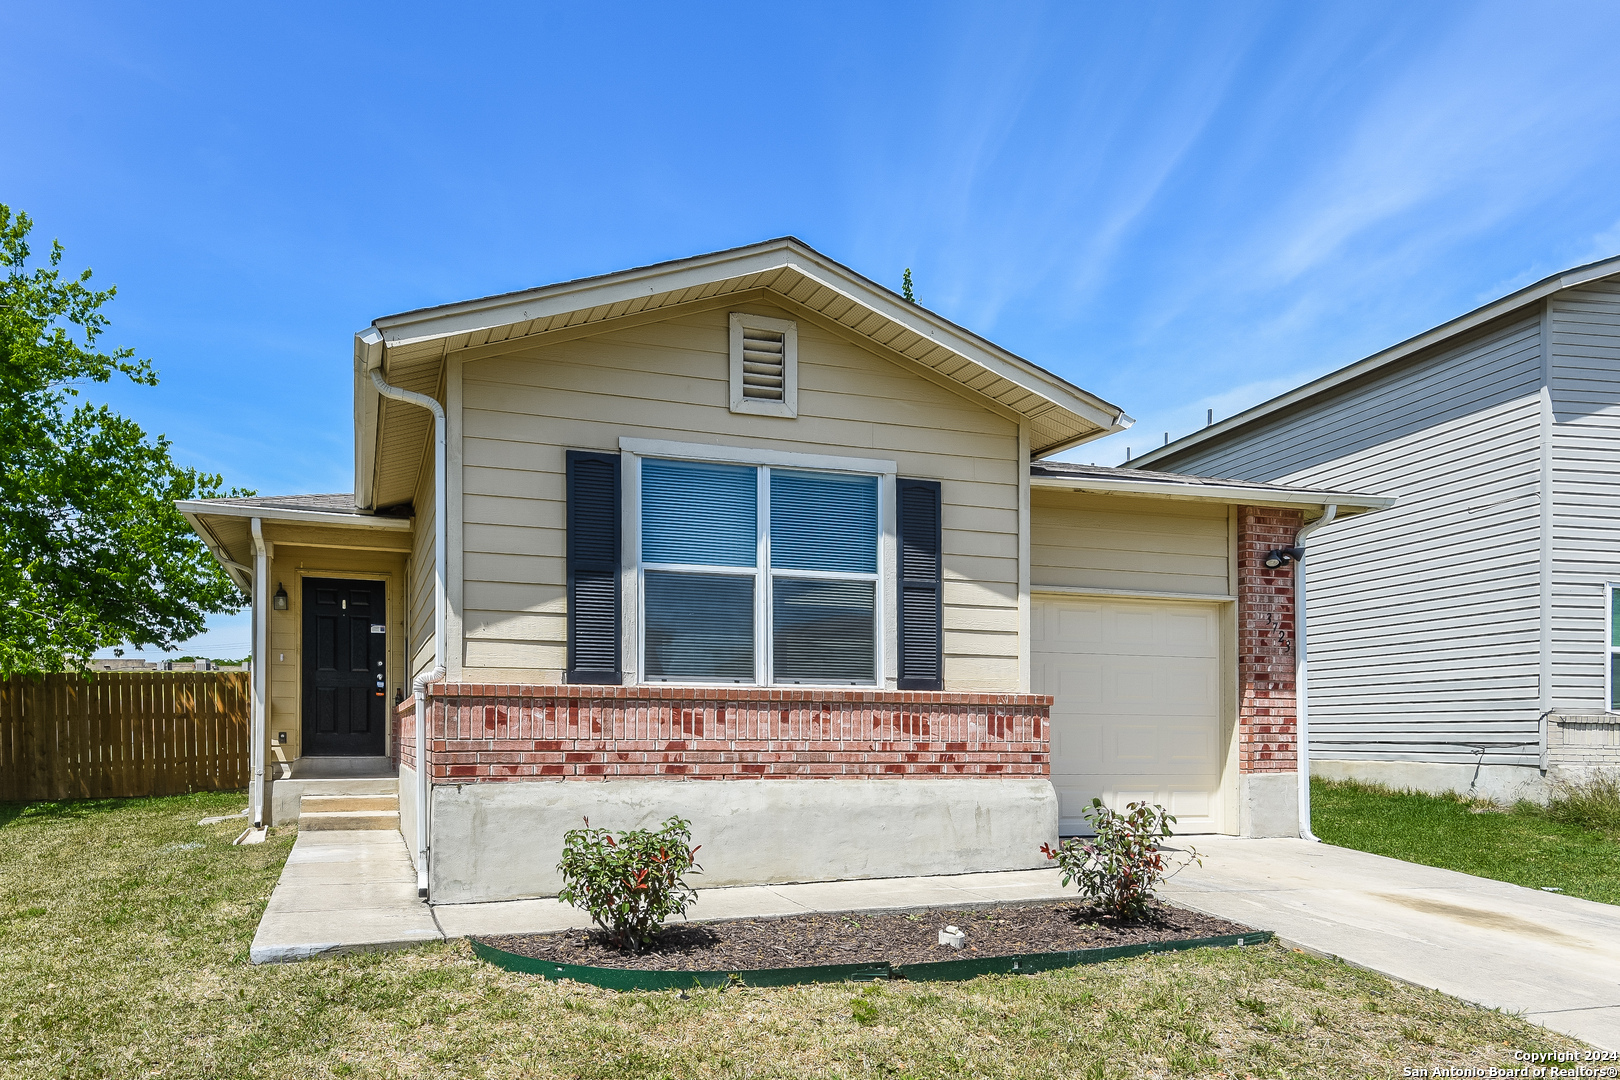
[1303, 396]
[412, 346]
[1102, 480]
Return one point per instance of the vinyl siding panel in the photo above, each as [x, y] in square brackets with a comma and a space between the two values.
[1130, 544]
[1584, 327]
[668, 380]
[1424, 618]
[420, 613]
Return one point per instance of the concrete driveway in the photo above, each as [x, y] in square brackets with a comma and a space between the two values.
[1553, 958]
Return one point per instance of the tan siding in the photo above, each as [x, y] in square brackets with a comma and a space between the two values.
[668, 380]
[420, 611]
[1130, 544]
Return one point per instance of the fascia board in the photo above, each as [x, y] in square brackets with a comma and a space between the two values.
[308, 517]
[365, 428]
[473, 315]
[1347, 502]
[1526, 296]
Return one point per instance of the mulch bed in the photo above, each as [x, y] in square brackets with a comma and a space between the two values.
[853, 938]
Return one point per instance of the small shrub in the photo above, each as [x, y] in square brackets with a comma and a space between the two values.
[1119, 867]
[1591, 802]
[629, 886]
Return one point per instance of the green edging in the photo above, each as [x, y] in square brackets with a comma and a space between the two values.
[955, 970]
[942, 971]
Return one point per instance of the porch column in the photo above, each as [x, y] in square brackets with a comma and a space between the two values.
[261, 647]
[1268, 780]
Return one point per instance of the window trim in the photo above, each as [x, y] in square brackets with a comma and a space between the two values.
[1609, 647]
[788, 407]
[632, 581]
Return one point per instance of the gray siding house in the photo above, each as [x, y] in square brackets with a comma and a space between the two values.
[1466, 638]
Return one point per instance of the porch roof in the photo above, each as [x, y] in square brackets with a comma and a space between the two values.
[324, 520]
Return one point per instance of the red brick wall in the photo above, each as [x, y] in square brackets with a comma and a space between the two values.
[1265, 645]
[402, 732]
[485, 732]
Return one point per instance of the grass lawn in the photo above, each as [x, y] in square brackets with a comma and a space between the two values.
[1521, 844]
[124, 932]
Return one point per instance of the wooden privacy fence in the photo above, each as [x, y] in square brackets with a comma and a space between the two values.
[123, 733]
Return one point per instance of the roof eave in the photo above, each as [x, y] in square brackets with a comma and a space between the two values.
[1497, 309]
[786, 253]
[189, 507]
[1349, 503]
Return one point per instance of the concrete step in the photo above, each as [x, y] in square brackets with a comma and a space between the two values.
[348, 820]
[286, 796]
[342, 768]
[325, 804]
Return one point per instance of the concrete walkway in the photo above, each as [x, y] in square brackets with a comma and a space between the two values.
[345, 891]
[1554, 958]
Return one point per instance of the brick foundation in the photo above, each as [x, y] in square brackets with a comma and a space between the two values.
[1265, 645]
[504, 732]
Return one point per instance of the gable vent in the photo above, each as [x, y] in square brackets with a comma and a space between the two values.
[764, 365]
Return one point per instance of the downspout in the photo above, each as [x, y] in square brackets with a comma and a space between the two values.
[1302, 694]
[261, 656]
[372, 339]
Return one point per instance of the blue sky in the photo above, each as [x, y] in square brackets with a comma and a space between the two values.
[1178, 206]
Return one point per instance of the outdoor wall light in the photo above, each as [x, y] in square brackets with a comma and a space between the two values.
[279, 601]
[1283, 556]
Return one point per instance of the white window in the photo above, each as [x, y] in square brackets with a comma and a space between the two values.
[1611, 638]
[759, 574]
[764, 365]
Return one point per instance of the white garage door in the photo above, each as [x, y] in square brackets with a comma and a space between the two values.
[1137, 705]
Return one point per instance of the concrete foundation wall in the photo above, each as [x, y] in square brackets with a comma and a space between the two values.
[407, 809]
[503, 841]
[1268, 804]
[1499, 783]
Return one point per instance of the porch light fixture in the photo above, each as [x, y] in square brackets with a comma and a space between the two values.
[1283, 556]
[279, 601]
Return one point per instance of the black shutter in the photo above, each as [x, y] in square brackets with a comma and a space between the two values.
[593, 568]
[922, 613]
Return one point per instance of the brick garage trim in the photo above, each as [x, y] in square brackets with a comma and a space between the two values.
[1267, 704]
[495, 732]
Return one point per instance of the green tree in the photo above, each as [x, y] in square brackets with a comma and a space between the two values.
[905, 287]
[96, 555]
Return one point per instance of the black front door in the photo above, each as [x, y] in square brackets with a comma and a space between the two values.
[345, 648]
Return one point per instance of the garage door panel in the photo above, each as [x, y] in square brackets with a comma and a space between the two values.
[1136, 715]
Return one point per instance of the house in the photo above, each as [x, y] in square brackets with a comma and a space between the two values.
[751, 539]
[1464, 640]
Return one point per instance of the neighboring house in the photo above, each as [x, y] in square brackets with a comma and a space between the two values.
[1465, 639]
[750, 539]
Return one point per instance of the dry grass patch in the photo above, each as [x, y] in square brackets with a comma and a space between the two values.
[123, 952]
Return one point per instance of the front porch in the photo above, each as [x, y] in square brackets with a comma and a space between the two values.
[330, 630]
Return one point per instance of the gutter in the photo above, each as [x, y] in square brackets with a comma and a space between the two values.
[1227, 493]
[1302, 692]
[371, 341]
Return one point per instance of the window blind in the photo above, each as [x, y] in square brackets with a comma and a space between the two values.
[699, 626]
[824, 521]
[699, 512]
